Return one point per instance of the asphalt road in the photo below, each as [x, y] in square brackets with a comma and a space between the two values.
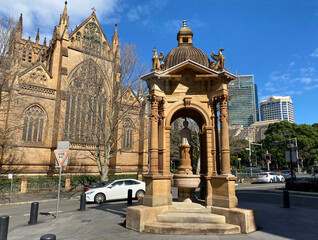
[271, 193]
[256, 193]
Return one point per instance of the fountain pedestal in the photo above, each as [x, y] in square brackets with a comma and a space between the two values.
[185, 180]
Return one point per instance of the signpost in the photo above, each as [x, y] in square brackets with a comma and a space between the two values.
[61, 155]
[10, 176]
[239, 160]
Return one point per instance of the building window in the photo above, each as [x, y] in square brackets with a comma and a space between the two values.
[30, 56]
[127, 136]
[78, 37]
[33, 124]
[92, 39]
[85, 105]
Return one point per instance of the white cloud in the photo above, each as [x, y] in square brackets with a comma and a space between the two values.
[315, 53]
[145, 10]
[306, 80]
[292, 63]
[45, 13]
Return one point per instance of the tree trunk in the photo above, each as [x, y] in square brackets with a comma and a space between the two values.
[104, 176]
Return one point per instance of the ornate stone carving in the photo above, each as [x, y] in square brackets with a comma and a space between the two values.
[155, 103]
[156, 60]
[223, 99]
[187, 101]
[220, 61]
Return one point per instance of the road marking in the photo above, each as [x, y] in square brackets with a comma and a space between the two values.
[258, 186]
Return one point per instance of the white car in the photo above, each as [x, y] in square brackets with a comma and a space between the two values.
[270, 177]
[117, 189]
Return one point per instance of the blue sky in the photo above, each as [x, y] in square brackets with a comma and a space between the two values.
[275, 40]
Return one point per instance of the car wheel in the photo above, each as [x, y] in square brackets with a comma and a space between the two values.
[100, 198]
[282, 180]
[271, 181]
[140, 193]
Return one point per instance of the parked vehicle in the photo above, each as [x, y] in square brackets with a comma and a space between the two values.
[308, 170]
[270, 177]
[286, 174]
[117, 189]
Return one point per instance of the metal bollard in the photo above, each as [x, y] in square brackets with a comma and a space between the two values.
[34, 213]
[4, 226]
[48, 237]
[286, 199]
[129, 199]
[83, 202]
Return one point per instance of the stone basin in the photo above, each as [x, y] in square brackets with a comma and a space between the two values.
[186, 180]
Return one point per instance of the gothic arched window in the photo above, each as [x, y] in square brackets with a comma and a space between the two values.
[34, 119]
[30, 56]
[85, 104]
[127, 137]
[78, 37]
[92, 38]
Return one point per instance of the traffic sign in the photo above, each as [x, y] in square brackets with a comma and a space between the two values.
[239, 159]
[61, 155]
[269, 161]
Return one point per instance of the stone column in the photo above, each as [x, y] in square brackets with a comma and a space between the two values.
[154, 101]
[217, 141]
[167, 151]
[225, 144]
[161, 137]
[214, 166]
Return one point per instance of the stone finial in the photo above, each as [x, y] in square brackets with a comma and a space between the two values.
[184, 23]
[37, 38]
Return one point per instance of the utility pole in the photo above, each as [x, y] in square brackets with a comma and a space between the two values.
[249, 146]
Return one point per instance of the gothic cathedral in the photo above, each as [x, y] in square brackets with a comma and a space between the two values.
[51, 99]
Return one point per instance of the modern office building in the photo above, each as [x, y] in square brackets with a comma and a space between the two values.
[243, 106]
[277, 107]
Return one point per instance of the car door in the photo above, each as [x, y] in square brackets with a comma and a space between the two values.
[133, 185]
[115, 190]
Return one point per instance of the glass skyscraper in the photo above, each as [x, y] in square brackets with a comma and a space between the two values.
[277, 107]
[243, 105]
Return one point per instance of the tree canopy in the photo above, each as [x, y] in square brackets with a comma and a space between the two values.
[279, 134]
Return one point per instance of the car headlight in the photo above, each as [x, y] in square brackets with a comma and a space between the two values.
[89, 192]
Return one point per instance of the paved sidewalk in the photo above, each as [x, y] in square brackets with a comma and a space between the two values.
[106, 221]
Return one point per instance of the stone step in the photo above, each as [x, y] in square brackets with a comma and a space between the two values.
[192, 228]
[190, 218]
[188, 208]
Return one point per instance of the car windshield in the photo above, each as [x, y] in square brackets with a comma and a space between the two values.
[101, 184]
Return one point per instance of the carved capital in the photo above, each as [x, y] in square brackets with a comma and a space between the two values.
[223, 99]
[154, 100]
[157, 105]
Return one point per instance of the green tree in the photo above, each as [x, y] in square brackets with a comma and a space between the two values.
[279, 134]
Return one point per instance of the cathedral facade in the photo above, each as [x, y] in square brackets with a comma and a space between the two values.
[52, 97]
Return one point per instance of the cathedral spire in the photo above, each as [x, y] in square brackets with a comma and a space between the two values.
[20, 27]
[65, 9]
[37, 36]
[115, 39]
[44, 42]
[64, 23]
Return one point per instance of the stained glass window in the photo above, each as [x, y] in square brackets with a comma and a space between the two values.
[92, 39]
[34, 118]
[85, 104]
